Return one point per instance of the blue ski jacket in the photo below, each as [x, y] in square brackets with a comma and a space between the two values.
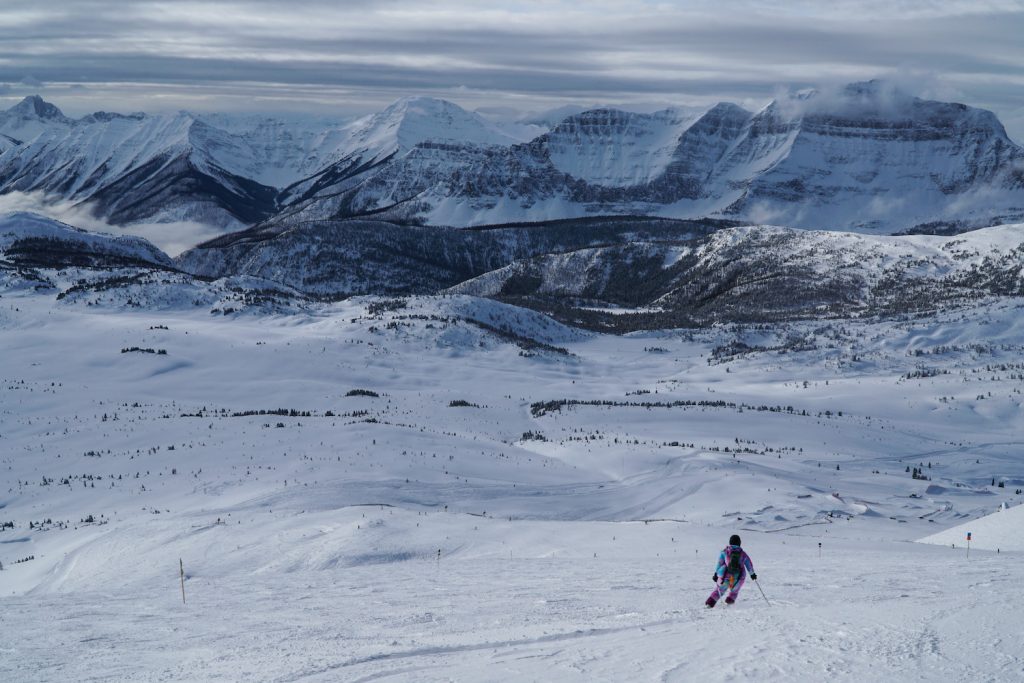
[723, 561]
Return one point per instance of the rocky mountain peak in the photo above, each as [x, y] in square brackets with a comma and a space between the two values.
[35, 107]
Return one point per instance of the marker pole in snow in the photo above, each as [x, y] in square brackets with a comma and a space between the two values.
[819, 550]
[968, 545]
[758, 584]
[181, 570]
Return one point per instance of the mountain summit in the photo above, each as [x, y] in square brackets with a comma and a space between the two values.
[868, 158]
[36, 107]
[411, 120]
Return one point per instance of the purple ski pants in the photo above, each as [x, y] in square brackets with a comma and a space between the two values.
[728, 584]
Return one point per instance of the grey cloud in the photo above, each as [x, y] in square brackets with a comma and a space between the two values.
[172, 238]
[525, 51]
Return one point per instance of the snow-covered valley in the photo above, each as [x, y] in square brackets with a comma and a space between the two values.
[451, 488]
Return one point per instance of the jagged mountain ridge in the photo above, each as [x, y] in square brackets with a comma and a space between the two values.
[868, 159]
[226, 171]
[132, 168]
[377, 140]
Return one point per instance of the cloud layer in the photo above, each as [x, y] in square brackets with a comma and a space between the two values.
[358, 54]
[172, 238]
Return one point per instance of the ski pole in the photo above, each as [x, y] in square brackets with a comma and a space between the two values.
[758, 584]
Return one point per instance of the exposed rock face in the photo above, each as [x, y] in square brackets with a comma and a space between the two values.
[866, 159]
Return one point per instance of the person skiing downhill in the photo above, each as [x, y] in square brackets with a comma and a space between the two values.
[731, 572]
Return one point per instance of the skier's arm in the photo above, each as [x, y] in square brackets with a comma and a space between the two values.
[750, 565]
[720, 567]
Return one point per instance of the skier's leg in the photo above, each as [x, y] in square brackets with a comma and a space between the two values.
[715, 595]
[735, 592]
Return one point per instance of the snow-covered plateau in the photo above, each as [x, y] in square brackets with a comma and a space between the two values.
[447, 487]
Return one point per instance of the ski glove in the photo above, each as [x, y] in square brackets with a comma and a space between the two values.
[754, 577]
[715, 578]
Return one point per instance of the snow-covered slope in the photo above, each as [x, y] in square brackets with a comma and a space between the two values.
[450, 487]
[869, 159]
[28, 119]
[362, 256]
[31, 240]
[137, 167]
[412, 120]
[764, 273]
[120, 273]
[372, 142]
[1002, 530]
[616, 148]
[281, 151]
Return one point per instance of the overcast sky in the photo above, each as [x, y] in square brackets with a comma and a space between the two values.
[351, 56]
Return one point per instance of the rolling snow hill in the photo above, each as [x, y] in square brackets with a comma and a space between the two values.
[1002, 530]
[364, 256]
[33, 241]
[762, 274]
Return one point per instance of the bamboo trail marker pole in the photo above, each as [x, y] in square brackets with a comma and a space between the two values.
[181, 569]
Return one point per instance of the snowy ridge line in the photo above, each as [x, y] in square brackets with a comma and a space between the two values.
[225, 170]
[802, 164]
[871, 160]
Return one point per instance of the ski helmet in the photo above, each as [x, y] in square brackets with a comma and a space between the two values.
[734, 539]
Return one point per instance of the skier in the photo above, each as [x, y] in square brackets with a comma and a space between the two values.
[731, 572]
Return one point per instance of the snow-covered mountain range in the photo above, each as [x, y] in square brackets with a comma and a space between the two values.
[224, 170]
[868, 158]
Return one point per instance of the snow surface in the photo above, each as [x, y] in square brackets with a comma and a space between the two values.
[617, 148]
[310, 541]
[412, 120]
[21, 225]
[1002, 530]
